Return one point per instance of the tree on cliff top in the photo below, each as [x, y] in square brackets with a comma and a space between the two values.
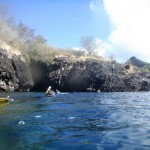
[89, 45]
[25, 34]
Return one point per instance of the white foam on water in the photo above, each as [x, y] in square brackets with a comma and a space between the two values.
[71, 118]
[37, 116]
[21, 122]
[64, 93]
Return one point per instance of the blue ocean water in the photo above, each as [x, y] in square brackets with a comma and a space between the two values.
[75, 121]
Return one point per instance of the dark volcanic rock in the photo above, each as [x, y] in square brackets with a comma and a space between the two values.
[93, 75]
[66, 74]
[14, 73]
[90, 75]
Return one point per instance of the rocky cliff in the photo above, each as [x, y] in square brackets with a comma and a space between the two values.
[14, 73]
[70, 75]
[90, 75]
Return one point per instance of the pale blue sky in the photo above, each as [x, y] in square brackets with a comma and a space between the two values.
[61, 22]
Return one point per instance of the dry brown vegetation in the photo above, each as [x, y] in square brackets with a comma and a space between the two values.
[21, 40]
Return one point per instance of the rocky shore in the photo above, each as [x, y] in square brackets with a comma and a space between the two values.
[92, 75]
[70, 75]
[15, 74]
[89, 75]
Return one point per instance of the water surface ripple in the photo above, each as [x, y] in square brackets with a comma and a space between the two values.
[97, 121]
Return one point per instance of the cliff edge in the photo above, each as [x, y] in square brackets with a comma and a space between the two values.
[15, 74]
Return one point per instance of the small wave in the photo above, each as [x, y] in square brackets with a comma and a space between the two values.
[37, 116]
[71, 118]
[64, 93]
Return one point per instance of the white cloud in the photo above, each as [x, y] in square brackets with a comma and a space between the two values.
[98, 17]
[92, 6]
[95, 6]
[102, 47]
[130, 23]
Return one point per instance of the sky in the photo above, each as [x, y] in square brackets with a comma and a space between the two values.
[120, 27]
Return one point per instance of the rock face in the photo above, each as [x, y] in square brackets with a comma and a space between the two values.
[69, 75]
[14, 73]
[93, 75]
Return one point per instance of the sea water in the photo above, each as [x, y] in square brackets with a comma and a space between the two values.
[82, 121]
